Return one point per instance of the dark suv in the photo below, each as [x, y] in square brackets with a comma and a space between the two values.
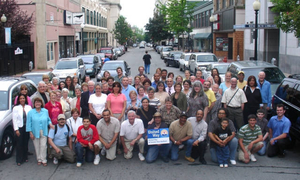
[288, 94]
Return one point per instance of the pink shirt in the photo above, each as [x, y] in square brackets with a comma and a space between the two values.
[116, 102]
[28, 100]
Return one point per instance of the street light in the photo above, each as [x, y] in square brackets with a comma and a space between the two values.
[3, 20]
[212, 20]
[256, 7]
[82, 26]
[98, 29]
[189, 26]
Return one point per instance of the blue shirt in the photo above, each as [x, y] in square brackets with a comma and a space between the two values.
[37, 121]
[265, 90]
[60, 138]
[106, 59]
[127, 91]
[153, 84]
[223, 87]
[279, 126]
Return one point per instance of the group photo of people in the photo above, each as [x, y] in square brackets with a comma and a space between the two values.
[82, 123]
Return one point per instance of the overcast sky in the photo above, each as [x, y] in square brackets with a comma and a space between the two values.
[137, 12]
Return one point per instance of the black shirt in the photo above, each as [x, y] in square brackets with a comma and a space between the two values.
[162, 125]
[149, 115]
[223, 133]
[147, 58]
[44, 97]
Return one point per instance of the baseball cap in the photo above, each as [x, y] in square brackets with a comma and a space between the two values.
[61, 116]
[241, 72]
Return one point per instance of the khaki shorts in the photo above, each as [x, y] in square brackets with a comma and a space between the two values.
[242, 154]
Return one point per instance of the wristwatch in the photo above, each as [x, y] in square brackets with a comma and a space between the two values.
[175, 142]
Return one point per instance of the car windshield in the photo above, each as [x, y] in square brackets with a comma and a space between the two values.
[35, 78]
[207, 58]
[107, 51]
[187, 57]
[177, 56]
[221, 68]
[273, 75]
[87, 59]
[111, 66]
[4, 100]
[167, 49]
[66, 65]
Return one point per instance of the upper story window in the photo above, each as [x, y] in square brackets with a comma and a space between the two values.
[87, 16]
[224, 4]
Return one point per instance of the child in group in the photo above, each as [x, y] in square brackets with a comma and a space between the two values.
[222, 134]
[263, 124]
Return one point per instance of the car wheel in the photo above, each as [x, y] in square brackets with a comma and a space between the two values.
[180, 68]
[167, 64]
[183, 67]
[7, 144]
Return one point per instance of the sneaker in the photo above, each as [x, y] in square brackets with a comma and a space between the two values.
[97, 160]
[78, 164]
[221, 165]
[141, 156]
[252, 158]
[103, 151]
[190, 159]
[226, 165]
[55, 160]
[233, 162]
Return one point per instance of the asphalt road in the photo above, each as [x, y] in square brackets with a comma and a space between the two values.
[122, 169]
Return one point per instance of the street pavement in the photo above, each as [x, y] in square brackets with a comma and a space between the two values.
[122, 169]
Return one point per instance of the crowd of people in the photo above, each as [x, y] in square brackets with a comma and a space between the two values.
[78, 123]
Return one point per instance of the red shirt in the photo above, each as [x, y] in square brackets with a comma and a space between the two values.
[201, 80]
[54, 111]
[85, 136]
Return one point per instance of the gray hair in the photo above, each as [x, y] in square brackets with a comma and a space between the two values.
[78, 88]
[197, 84]
[233, 79]
[65, 90]
[41, 83]
[55, 78]
[131, 111]
[91, 81]
[150, 88]
[98, 84]
[168, 99]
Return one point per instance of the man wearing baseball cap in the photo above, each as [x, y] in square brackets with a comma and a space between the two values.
[180, 131]
[60, 140]
[160, 149]
[241, 82]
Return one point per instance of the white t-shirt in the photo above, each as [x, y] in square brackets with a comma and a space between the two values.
[74, 125]
[129, 131]
[98, 103]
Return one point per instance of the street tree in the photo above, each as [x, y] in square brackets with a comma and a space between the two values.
[178, 14]
[122, 30]
[19, 21]
[288, 18]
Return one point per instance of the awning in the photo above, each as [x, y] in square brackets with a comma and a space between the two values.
[202, 35]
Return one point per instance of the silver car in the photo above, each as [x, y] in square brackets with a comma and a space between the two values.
[183, 61]
[70, 67]
[9, 89]
[165, 51]
[220, 66]
[199, 60]
[111, 67]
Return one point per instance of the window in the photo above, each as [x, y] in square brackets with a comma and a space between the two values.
[87, 16]
[50, 51]
[92, 17]
[298, 42]
[230, 2]
[95, 23]
[97, 20]
[31, 89]
[217, 4]
[224, 4]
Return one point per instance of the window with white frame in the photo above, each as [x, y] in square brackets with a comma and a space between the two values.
[50, 51]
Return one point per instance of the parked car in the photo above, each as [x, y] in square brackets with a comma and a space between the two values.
[198, 60]
[70, 67]
[173, 58]
[183, 61]
[37, 76]
[158, 48]
[111, 67]
[165, 50]
[123, 49]
[142, 45]
[221, 66]
[134, 45]
[108, 51]
[92, 64]
[9, 89]
[118, 52]
[288, 94]
[101, 56]
[273, 74]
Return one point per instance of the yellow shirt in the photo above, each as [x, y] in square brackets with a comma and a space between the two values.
[241, 85]
[211, 97]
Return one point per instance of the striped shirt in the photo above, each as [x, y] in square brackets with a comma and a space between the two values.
[248, 135]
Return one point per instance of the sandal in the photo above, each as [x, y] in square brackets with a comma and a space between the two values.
[39, 163]
[44, 164]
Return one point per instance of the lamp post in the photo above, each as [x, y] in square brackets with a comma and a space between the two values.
[189, 26]
[98, 29]
[82, 27]
[256, 7]
[212, 20]
[3, 20]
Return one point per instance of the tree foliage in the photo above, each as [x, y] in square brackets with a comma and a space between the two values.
[288, 18]
[19, 21]
[122, 30]
[138, 34]
[157, 28]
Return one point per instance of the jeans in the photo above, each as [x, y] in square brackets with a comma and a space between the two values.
[147, 68]
[233, 144]
[223, 154]
[262, 151]
[189, 147]
[175, 149]
[155, 150]
[89, 154]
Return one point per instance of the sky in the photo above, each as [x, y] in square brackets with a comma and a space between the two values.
[137, 12]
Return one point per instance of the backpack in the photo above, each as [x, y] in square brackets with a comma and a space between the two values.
[55, 131]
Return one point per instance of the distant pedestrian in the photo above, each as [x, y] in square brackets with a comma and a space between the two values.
[147, 62]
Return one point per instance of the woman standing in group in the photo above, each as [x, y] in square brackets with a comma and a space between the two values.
[197, 100]
[187, 88]
[75, 81]
[74, 122]
[141, 92]
[146, 84]
[37, 125]
[160, 92]
[137, 82]
[145, 112]
[97, 103]
[75, 102]
[106, 74]
[54, 85]
[217, 79]
[65, 103]
[116, 102]
[24, 91]
[225, 85]
[187, 75]
[70, 87]
[179, 79]
[62, 85]
[253, 96]
[84, 87]
[179, 98]
[133, 103]
[20, 112]
[153, 101]
[54, 108]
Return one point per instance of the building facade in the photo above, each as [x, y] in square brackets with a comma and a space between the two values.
[228, 42]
